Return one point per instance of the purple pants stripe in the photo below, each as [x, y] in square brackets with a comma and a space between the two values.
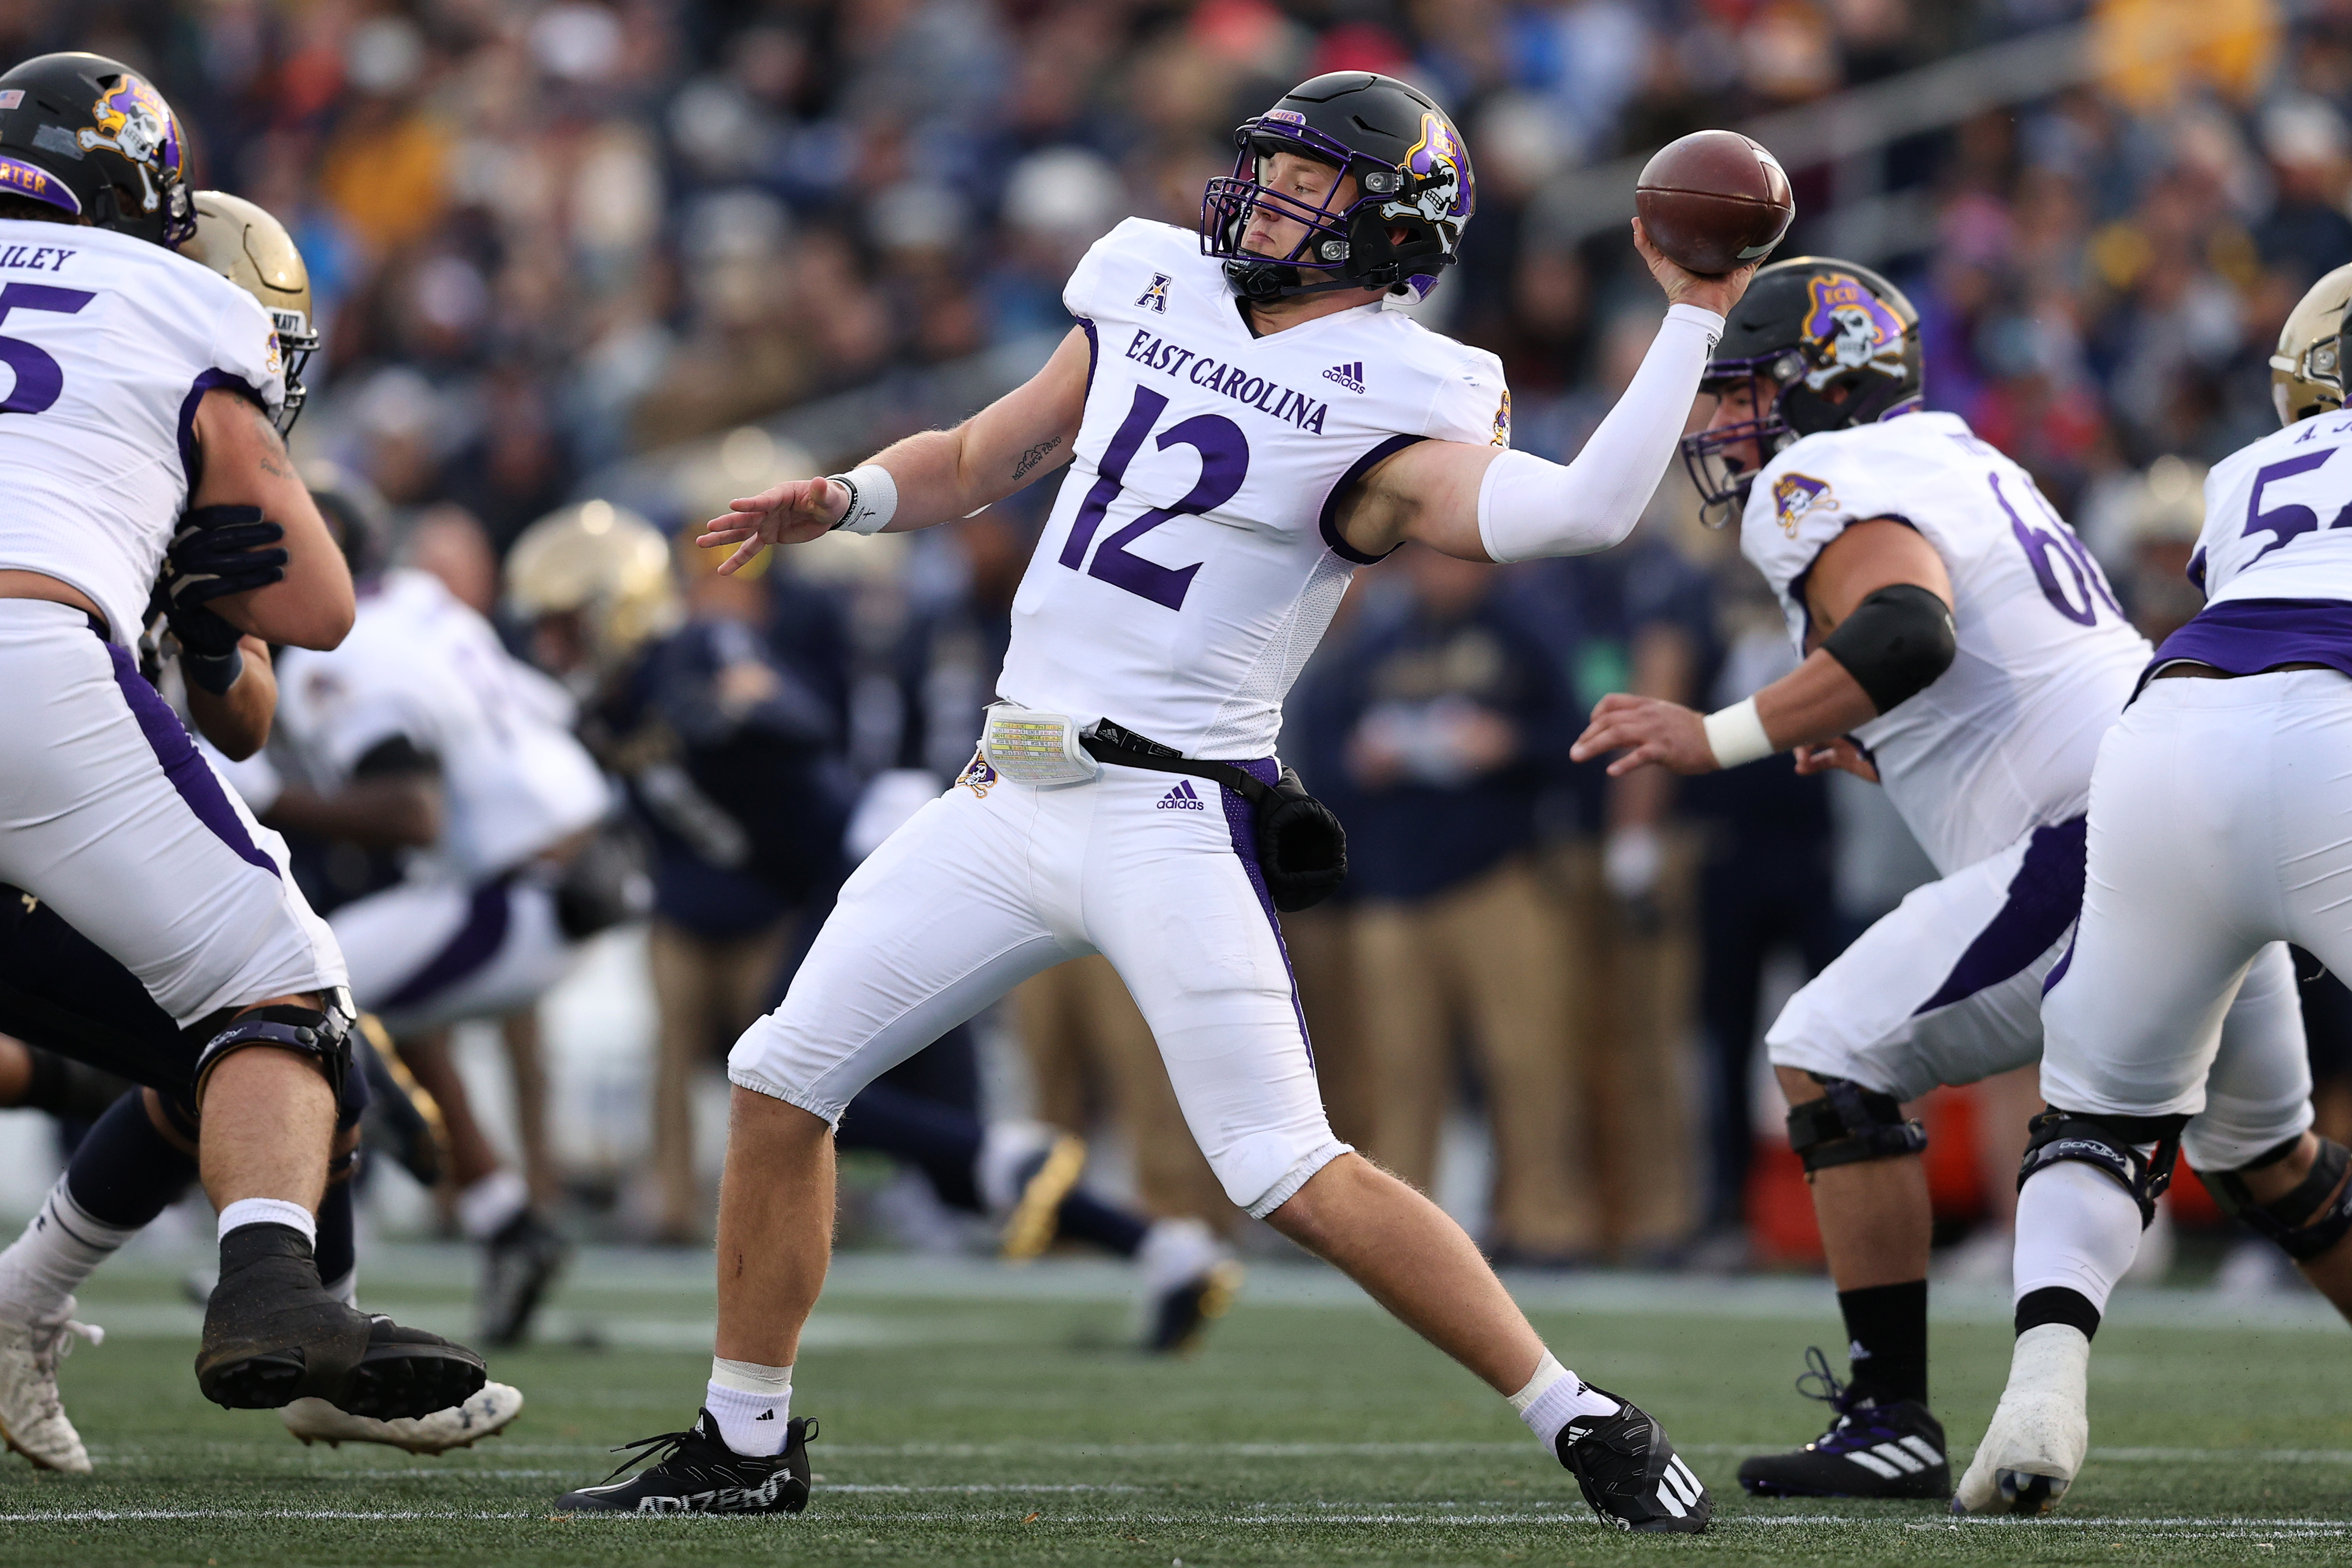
[477, 941]
[168, 738]
[1241, 821]
[2044, 898]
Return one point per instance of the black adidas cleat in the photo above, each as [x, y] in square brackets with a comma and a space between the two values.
[518, 1266]
[1891, 1448]
[273, 1335]
[699, 1473]
[1181, 1316]
[1630, 1474]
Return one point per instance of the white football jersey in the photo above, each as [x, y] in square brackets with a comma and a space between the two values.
[2278, 517]
[2003, 741]
[110, 342]
[419, 664]
[1192, 562]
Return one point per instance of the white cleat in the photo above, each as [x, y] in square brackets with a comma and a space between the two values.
[486, 1415]
[32, 1419]
[2039, 1431]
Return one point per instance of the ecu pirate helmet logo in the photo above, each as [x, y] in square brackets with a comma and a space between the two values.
[1439, 193]
[1849, 329]
[92, 137]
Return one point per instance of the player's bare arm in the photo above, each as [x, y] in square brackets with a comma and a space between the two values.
[1439, 493]
[1814, 707]
[940, 475]
[238, 721]
[246, 463]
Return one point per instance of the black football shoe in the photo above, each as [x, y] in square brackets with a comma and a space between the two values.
[518, 1266]
[1875, 1449]
[1630, 1474]
[273, 1335]
[695, 1471]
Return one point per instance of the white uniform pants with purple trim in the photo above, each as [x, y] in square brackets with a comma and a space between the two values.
[2221, 824]
[427, 953]
[1946, 989]
[994, 882]
[109, 814]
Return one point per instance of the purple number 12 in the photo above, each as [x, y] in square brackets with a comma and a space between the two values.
[1225, 464]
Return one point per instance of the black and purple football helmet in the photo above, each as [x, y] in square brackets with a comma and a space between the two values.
[90, 136]
[1414, 191]
[1822, 344]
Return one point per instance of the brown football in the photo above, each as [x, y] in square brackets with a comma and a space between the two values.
[1715, 200]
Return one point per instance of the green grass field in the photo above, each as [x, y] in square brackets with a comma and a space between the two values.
[977, 1414]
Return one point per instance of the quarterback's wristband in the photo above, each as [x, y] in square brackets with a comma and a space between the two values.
[215, 672]
[1736, 735]
[873, 498]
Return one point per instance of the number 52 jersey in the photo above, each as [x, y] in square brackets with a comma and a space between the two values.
[111, 342]
[1193, 560]
[2003, 741]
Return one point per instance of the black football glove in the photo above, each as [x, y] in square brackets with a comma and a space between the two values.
[216, 550]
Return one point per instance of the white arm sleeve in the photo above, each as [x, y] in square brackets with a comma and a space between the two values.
[1528, 508]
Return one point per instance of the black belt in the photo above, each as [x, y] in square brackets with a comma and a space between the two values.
[1122, 747]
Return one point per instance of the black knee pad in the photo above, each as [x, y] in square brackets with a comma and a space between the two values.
[1849, 1124]
[2307, 1221]
[324, 1037]
[2111, 1144]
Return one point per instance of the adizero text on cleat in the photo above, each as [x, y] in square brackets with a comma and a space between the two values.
[1630, 1474]
[695, 1471]
[273, 1335]
[486, 1415]
[1873, 1448]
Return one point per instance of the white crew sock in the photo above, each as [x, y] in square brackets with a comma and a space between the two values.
[751, 1405]
[2076, 1229]
[42, 1268]
[270, 1211]
[488, 1205]
[1553, 1397]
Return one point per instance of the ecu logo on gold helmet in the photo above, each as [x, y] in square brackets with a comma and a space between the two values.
[2307, 372]
[252, 249]
[603, 565]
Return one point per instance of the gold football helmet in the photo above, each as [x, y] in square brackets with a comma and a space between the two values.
[252, 249]
[604, 566]
[2307, 372]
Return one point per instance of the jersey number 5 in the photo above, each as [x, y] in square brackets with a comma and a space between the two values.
[1225, 464]
[39, 378]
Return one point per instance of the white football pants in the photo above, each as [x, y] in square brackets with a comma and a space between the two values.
[423, 954]
[994, 882]
[2221, 822]
[109, 814]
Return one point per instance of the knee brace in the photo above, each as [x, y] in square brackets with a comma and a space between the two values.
[2110, 1143]
[323, 1037]
[2307, 1221]
[1849, 1124]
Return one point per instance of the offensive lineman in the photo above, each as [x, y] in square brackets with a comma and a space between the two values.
[1248, 425]
[2218, 826]
[1961, 647]
[142, 386]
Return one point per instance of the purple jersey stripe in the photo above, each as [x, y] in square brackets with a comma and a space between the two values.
[168, 738]
[1241, 821]
[191, 456]
[1329, 521]
[2044, 898]
[477, 941]
[2246, 636]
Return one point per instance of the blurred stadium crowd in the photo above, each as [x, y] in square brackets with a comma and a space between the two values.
[639, 250]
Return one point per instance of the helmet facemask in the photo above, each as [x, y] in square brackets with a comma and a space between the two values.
[1397, 234]
[1713, 457]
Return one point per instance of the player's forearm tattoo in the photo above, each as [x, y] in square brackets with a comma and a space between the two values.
[1035, 456]
[274, 460]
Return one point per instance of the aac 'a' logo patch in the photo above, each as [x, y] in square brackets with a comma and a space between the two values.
[1502, 421]
[1794, 495]
[1156, 296]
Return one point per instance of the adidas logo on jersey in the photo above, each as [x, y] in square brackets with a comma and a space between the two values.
[1350, 376]
[1183, 798]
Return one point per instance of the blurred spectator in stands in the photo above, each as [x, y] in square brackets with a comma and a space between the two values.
[1455, 719]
